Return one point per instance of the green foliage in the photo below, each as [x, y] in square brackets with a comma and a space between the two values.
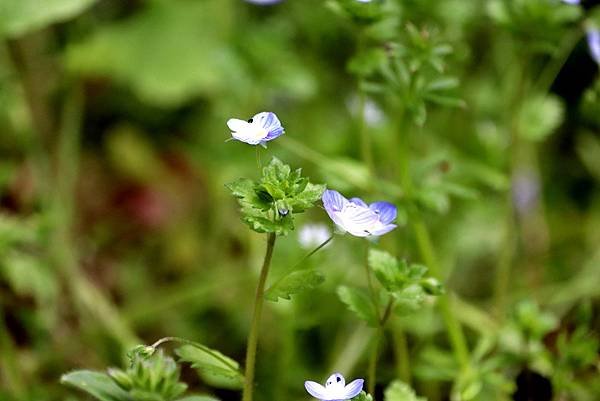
[399, 391]
[357, 300]
[22, 16]
[214, 367]
[294, 283]
[157, 52]
[540, 23]
[539, 117]
[270, 204]
[99, 385]
[150, 376]
[406, 283]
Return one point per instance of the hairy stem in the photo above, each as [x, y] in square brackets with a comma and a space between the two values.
[254, 328]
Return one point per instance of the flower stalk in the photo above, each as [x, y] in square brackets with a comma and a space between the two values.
[251, 348]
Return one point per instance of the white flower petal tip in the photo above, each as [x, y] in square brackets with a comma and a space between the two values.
[258, 130]
[356, 217]
[335, 388]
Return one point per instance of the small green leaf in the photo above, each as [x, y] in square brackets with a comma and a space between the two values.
[294, 283]
[358, 302]
[211, 363]
[363, 397]
[97, 384]
[386, 269]
[399, 391]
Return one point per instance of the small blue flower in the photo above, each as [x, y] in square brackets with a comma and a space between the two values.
[260, 129]
[593, 39]
[335, 388]
[572, 1]
[356, 217]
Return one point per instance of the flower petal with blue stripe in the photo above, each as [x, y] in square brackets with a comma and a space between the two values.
[258, 130]
[356, 217]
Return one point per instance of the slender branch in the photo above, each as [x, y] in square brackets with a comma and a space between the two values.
[293, 268]
[254, 329]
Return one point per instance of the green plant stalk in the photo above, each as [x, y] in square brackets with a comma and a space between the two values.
[255, 325]
[377, 340]
[423, 238]
[402, 356]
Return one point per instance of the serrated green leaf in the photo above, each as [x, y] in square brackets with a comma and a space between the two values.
[294, 283]
[363, 397]
[18, 17]
[359, 302]
[386, 269]
[97, 384]
[211, 363]
[399, 391]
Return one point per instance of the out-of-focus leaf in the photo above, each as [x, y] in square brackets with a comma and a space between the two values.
[539, 117]
[212, 364]
[399, 391]
[29, 275]
[358, 302]
[294, 283]
[167, 53]
[97, 384]
[18, 17]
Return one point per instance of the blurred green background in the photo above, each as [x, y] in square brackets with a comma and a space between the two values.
[116, 227]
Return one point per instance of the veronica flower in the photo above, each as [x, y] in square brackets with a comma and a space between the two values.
[571, 1]
[358, 218]
[593, 39]
[335, 388]
[260, 129]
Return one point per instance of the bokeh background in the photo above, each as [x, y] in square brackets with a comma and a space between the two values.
[116, 227]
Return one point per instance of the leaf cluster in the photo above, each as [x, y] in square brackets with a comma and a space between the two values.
[411, 71]
[268, 205]
[539, 23]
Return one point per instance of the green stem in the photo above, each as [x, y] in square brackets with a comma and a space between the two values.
[365, 138]
[377, 340]
[402, 356]
[254, 328]
[457, 338]
[423, 238]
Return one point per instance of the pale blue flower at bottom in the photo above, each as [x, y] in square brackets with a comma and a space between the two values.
[335, 388]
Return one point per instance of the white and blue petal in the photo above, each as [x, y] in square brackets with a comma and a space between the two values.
[353, 389]
[316, 390]
[270, 123]
[258, 130]
[387, 212]
[335, 388]
[359, 202]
